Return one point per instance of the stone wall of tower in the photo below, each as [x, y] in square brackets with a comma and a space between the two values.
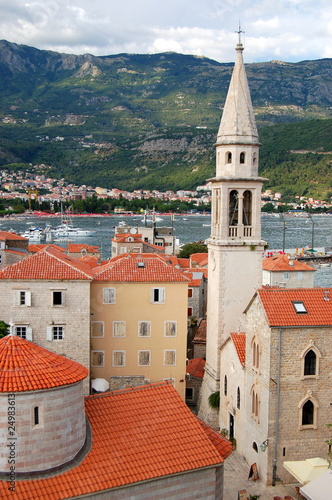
[55, 440]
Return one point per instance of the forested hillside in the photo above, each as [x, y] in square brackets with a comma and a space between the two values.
[150, 121]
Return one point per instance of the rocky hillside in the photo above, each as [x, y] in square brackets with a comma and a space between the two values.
[143, 121]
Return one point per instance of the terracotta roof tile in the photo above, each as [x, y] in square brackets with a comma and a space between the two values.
[199, 258]
[78, 247]
[280, 311]
[125, 268]
[8, 235]
[195, 367]
[25, 366]
[50, 264]
[283, 263]
[223, 445]
[239, 340]
[36, 247]
[131, 430]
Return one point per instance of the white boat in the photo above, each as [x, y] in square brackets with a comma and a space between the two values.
[35, 234]
[67, 230]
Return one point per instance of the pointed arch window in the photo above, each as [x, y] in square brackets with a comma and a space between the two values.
[308, 412]
[233, 208]
[255, 353]
[310, 362]
[228, 157]
[255, 403]
[247, 208]
[242, 157]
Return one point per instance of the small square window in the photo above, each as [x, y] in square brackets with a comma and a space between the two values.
[57, 298]
[144, 329]
[299, 307]
[97, 329]
[119, 358]
[169, 357]
[97, 358]
[170, 328]
[144, 358]
[108, 295]
[21, 331]
[58, 332]
[22, 298]
[119, 328]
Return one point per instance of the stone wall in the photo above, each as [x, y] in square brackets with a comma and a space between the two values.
[57, 438]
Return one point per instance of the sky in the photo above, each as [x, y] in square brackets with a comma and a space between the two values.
[287, 30]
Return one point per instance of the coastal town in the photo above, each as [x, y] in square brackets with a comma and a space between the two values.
[144, 375]
[36, 185]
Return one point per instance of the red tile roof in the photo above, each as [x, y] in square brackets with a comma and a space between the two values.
[7, 235]
[239, 340]
[50, 264]
[195, 367]
[36, 247]
[138, 434]
[223, 445]
[78, 247]
[125, 268]
[283, 263]
[280, 310]
[25, 366]
[201, 259]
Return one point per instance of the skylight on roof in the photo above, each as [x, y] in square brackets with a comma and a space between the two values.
[299, 307]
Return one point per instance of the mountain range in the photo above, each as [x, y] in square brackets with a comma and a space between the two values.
[136, 121]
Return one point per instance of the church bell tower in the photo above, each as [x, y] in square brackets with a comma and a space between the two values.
[235, 246]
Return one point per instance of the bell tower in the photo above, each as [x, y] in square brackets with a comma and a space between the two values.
[235, 246]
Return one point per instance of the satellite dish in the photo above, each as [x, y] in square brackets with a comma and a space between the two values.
[132, 230]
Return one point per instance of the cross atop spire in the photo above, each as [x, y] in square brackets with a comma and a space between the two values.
[239, 33]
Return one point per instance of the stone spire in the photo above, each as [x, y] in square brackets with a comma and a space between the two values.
[238, 124]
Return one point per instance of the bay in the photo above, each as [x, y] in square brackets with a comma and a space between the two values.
[288, 232]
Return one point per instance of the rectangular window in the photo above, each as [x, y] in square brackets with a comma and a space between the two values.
[286, 276]
[25, 332]
[190, 292]
[119, 358]
[158, 295]
[169, 357]
[119, 328]
[22, 298]
[144, 358]
[58, 297]
[170, 328]
[299, 307]
[300, 275]
[190, 311]
[54, 333]
[108, 295]
[97, 358]
[97, 329]
[144, 328]
[57, 332]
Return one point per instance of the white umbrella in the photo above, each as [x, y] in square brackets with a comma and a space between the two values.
[100, 385]
[307, 470]
[320, 488]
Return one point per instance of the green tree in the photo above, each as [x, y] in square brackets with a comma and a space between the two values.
[191, 248]
[3, 329]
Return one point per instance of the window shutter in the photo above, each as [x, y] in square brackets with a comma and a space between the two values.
[109, 295]
[28, 298]
[170, 328]
[144, 329]
[97, 328]
[17, 297]
[29, 333]
[49, 333]
[162, 295]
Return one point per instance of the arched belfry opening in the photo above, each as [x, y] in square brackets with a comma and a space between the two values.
[247, 208]
[233, 208]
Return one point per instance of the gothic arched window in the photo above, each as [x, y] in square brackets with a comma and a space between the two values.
[308, 413]
[310, 363]
[242, 157]
[228, 157]
[247, 208]
[233, 208]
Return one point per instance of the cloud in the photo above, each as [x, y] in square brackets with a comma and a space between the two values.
[291, 30]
